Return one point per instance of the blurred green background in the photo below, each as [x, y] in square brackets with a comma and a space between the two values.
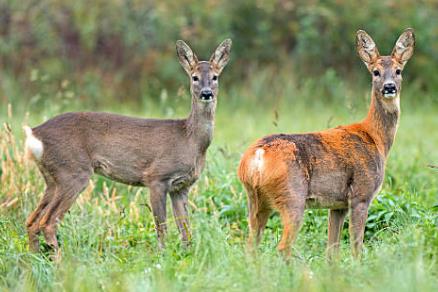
[90, 54]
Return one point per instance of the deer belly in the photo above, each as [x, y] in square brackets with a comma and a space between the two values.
[321, 202]
[182, 182]
[120, 171]
[328, 190]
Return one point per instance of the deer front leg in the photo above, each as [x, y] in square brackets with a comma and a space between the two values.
[158, 192]
[336, 221]
[179, 206]
[358, 218]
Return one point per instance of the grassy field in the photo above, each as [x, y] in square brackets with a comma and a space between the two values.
[108, 239]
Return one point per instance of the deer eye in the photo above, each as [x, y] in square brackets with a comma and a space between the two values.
[398, 71]
[214, 77]
[376, 73]
[195, 78]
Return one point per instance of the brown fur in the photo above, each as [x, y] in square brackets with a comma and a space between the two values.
[165, 155]
[339, 169]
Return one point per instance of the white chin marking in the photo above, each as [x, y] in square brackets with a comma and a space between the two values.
[33, 144]
[390, 95]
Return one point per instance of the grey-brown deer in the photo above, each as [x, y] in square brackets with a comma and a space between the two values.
[340, 169]
[165, 155]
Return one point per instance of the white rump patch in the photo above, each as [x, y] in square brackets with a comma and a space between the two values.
[257, 162]
[33, 145]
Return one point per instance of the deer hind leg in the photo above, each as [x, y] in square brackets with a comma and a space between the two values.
[32, 222]
[291, 202]
[258, 215]
[66, 193]
[291, 217]
[336, 221]
[262, 217]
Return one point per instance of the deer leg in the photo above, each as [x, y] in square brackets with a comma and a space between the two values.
[158, 192]
[179, 206]
[336, 221]
[262, 219]
[358, 217]
[32, 222]
[290, 200]
[258, 216]
[64, 197]
[252, 216]
[291, 218]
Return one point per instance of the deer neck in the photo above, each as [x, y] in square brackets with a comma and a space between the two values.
[382, 121]
[200, 124]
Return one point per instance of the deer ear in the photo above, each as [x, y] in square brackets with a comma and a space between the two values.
[404, 47]
[221, 56]
[366, 48]
[187, 58]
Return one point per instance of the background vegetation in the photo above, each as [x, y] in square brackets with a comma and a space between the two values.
[294, 68]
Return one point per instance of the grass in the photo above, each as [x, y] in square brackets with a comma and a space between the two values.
[108, 239]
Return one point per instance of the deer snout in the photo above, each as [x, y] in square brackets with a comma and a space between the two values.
[206, 94]
[389, 89]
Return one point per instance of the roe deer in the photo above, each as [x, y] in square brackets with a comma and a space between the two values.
[340, 169]
[165, 155]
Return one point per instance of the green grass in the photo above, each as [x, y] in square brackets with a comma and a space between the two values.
[108, 239]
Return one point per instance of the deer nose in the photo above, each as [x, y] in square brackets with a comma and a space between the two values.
[206, 94]
[389, 89]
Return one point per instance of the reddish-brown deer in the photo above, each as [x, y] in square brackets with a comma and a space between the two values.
[165, 155]
[340, 169]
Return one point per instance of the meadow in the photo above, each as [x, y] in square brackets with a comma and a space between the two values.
[293, 69]
[108, 239]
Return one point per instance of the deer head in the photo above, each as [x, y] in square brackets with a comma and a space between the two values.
[386, 71]
[204, 75]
